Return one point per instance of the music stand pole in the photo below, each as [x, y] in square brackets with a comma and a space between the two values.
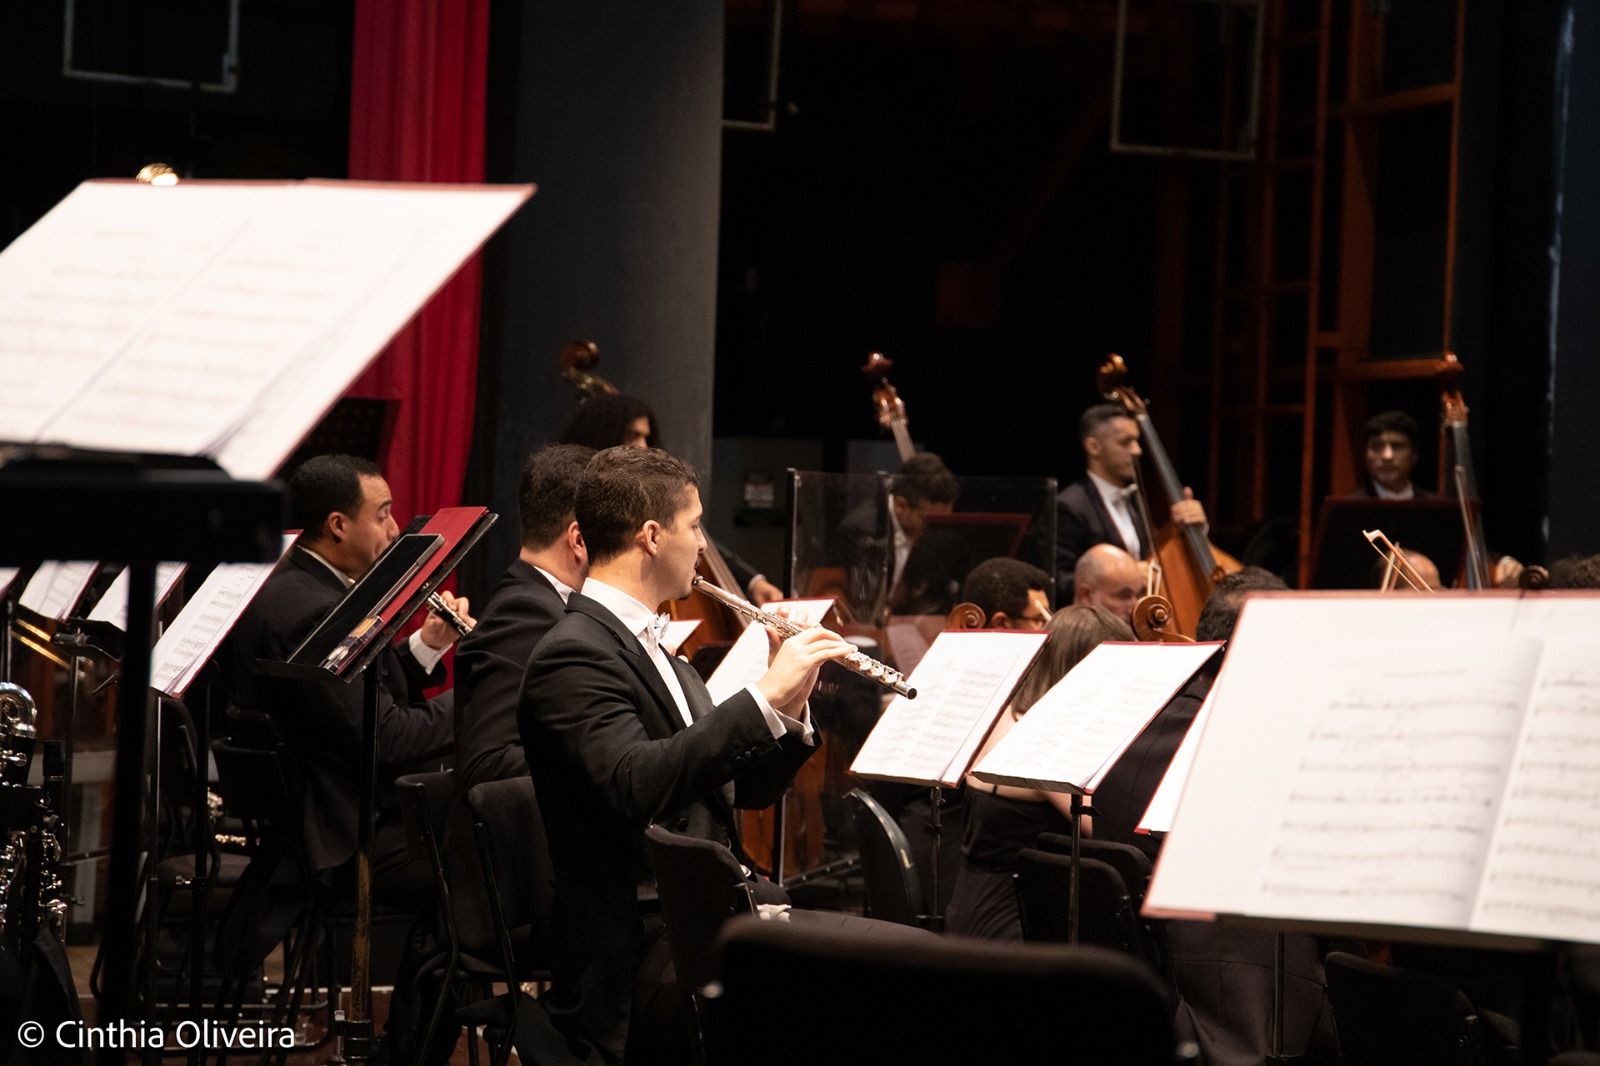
[935, 920]
[356, 1027]
[133, 709]
[1073, 903]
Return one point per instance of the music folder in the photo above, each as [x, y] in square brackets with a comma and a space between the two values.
[359, 627]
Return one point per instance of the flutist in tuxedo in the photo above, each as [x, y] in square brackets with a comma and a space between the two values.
[619, 734]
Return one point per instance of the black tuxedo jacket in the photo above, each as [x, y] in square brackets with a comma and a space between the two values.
[610, 755]
[490, 662]
[1366, 491]
[1082, 521]
[324, 725]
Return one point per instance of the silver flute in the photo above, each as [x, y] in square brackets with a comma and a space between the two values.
[437, 605]
[861, 663]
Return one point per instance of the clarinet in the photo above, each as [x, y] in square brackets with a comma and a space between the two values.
[860, 662]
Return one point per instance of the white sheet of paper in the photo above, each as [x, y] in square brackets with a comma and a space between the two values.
[8, 576]
[1164, 803]
[678, 632]
[1542, 876]
[746, 661]
[219, 319]
[55, 587]
[204, 621]
[1070, 738]
[962, 683]
[113, 606]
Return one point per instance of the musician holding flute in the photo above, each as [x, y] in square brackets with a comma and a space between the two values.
[619, 735]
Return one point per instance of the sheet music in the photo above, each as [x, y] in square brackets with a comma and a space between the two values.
[56, 587]
[1163, 806]
[269, 300]
[8, 576]
[113, 606]
[746, 661]
[1397, 780]
[1542, 877]
[962, 683]
[204, 621]
[1074, 734]
[678, 632]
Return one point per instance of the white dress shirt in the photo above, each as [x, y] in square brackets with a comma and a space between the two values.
[563, 589]
[646, 625]
[1119, 503]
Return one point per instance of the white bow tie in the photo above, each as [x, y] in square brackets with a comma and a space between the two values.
[657, 629]
[1123, 494]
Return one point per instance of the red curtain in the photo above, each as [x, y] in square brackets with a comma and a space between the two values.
[416, 114]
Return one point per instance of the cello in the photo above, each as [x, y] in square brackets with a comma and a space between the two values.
[1187, 564]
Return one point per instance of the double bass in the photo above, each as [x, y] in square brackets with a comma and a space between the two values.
[1478, 572]
[891, 409]
[1187, 564]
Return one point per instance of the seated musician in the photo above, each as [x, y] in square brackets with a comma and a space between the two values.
[1002, 820]
[618, 735]
[1010, 592]
[1224, 974]
[923, 487]
[614, 419]
[524, 606]
[343, 507]
[1100, 507]
[1106, 576]
[1391, 456]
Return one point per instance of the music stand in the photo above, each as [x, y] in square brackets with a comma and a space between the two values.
[207, 517]
[344, 646]
[1341, 558]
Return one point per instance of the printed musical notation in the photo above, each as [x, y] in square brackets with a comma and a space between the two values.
[962, 684]
[204, 621]
[1398, 782]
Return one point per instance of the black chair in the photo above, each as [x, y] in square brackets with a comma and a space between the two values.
[278, 900]
[893, 885]
[1389, 1016]
[425, 802]
[700, 886]
[1106, 915]
[933, 1001]
[1134, 867]
[517, 890]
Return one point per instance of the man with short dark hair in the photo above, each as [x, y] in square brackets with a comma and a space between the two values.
[1391, 455]
[343, 507]
[619, 734]
[1010, 592]
[527, 603]
[1100, 508]
[1106, 576]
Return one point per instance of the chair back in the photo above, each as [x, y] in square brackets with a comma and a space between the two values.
[700, 885]
[424, 801]
[996, 1002]
[893, 885]
[1387, 1015]
[512, 857]
[1106, 915]
[1127, 860]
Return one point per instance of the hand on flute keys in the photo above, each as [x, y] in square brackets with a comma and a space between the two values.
[792, 666]
[439, 634]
